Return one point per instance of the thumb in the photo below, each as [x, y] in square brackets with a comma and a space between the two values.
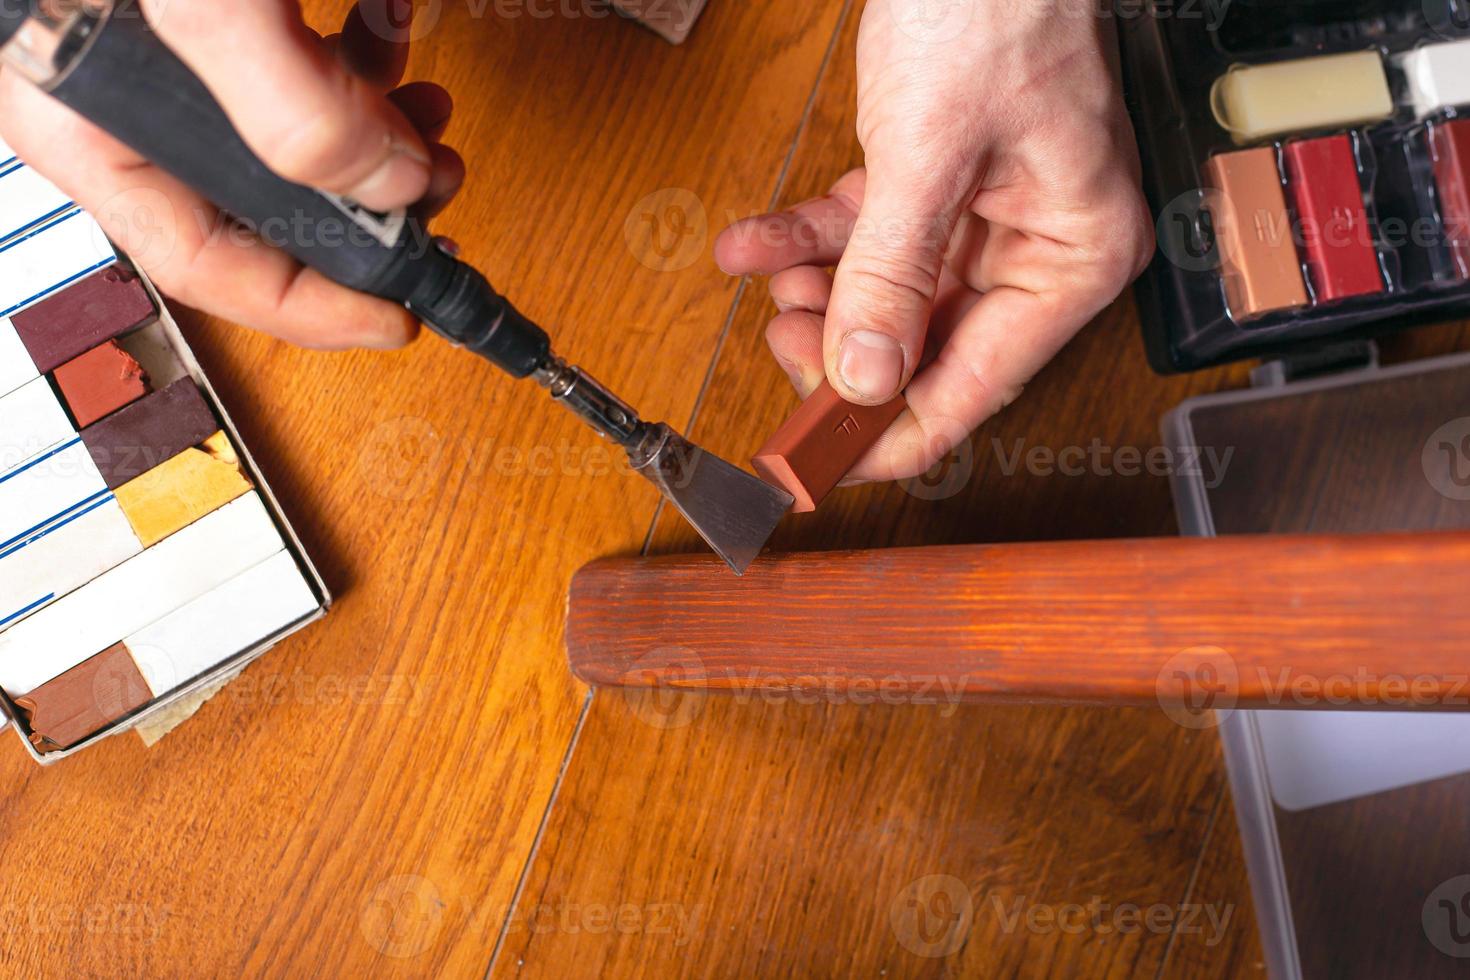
[884, 289]
[304, 114]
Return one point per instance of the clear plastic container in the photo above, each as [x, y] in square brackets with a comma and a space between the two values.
[1355, 824]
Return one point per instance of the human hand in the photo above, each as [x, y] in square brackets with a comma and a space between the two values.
[319, 111]
[999, 211]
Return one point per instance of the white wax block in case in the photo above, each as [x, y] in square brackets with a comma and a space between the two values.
[137, 593]
[1322, 92]
[16, 366]
[1318, 757]
[27, 198]
[213, 628]
[1437, 76]
[32, 422]
[47, 489]
[62, 558]
[51, 258]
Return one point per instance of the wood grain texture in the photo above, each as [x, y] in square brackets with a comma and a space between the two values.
[794, 828]
[364, 799]
[1111, 622]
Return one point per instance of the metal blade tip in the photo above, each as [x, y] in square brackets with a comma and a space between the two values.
[734, 511]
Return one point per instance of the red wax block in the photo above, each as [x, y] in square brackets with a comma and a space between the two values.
[91, 312]
[1341, 257]
[1449, 142]
[100, 382]
[820, 443]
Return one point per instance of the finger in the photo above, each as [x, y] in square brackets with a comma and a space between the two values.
[883, 292]
[427, 107]
[795, 339]
[303, 113]
[1001, 343]
[374, 41]
[802, 287]
[812, 233]
[183, 242]
[448, 178]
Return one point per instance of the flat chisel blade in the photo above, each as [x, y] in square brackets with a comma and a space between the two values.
[734, 511]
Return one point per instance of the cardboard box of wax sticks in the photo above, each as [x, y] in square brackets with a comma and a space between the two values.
[143, 557]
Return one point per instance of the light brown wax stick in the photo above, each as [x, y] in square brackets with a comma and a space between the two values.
[1258, 258]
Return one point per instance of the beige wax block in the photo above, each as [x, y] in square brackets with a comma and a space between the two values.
[183, 489]
[1302, 95]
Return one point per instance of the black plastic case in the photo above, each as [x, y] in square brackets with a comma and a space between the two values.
[1171, 58]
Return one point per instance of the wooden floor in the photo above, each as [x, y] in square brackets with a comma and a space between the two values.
[418, 787]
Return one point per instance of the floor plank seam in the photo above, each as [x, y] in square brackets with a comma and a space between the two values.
[781, 177]
[1194, 873]
[561, 775]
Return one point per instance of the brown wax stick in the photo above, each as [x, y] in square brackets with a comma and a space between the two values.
[100, 382]
[85, 699]
[1258, 258]
[91, 312]
[147, 433]
[821, 443]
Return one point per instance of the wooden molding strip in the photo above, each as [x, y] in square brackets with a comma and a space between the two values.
[1289, 621]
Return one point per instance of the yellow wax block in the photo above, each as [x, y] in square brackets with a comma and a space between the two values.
[1303, 95]
[175, 494]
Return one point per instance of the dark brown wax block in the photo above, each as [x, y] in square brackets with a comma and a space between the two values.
[100, 382]
[92, 312]
[131, 442]
[85, 699]
[821, 443]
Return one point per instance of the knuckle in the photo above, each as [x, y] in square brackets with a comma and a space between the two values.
[314, 149]
[892, 288]
[1122, 247]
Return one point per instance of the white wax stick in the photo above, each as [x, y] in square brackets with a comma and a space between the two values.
[32, 422]
[27, 198]
[47, 489]
[224, 622]
[1437, 76]
[16, 366]
[60, 559]
[137, 593]
[51, 258]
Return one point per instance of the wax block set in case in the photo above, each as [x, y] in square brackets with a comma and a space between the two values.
[1308, 167]
[142, 556]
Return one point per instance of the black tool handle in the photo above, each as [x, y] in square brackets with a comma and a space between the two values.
[126, 81]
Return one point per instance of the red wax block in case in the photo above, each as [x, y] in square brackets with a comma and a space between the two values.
[1449, 142]
[821, 442]
[1323, 177]
[91, 312]
[100, 382]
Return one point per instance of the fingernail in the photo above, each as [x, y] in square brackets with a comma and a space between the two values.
[399, 180]
[871, 364]
[793, 371]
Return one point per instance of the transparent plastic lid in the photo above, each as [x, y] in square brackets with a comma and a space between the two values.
[1356, 825]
